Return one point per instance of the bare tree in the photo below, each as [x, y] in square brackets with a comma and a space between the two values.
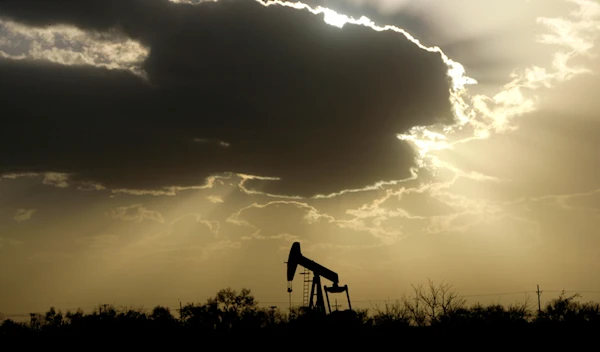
[428, 305]
[414, 307]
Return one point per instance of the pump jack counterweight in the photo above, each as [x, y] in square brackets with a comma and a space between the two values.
[316, 299]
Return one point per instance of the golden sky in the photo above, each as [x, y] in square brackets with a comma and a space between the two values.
[159, 151]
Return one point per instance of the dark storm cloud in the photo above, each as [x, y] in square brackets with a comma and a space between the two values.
[278, 91]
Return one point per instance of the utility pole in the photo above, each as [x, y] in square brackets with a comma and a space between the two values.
[539, 293]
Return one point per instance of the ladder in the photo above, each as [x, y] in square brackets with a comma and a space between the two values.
[306, 288]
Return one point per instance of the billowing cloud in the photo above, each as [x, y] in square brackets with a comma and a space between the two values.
[232, 86]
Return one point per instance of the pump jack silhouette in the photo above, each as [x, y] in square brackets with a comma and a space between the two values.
[316, 301]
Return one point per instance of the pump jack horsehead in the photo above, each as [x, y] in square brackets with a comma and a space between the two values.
[316, 301]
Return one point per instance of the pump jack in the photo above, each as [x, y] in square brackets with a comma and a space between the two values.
[296, 258]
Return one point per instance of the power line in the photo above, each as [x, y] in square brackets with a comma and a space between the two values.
[498, 294]
[570, 291]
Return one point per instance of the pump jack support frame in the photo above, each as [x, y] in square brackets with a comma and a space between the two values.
[317, 290]
[337, 289]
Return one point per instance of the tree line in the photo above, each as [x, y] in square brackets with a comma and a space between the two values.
[433, 308]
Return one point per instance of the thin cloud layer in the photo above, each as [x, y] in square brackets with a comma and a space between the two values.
[233, 86]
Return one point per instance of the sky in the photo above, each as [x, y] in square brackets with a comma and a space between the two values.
[157, 151]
